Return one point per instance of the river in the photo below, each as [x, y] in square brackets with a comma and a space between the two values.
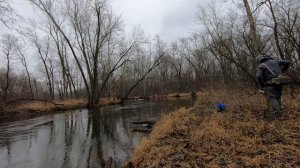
[79, 138]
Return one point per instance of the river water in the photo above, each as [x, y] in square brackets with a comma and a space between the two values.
[80, 138]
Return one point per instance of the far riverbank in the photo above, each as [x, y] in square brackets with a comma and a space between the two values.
[22, 109]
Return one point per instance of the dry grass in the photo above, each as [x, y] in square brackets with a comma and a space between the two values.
[238, 137]
[73, 102]
[48, 106]
[30, 108]
[108, 101]
[41, 106]
[45, 106]
[162, 140]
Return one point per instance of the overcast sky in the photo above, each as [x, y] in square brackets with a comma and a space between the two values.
[170, 19]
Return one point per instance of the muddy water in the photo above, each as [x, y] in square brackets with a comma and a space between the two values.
[80, 138]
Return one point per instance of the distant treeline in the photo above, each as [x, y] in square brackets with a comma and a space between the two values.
[82, 51]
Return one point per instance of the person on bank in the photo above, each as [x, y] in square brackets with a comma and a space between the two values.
[194, 95]
[270, 80]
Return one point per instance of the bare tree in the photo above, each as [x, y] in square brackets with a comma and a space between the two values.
[158, 58]
[67, 83]
[21, 54]
[177, 64]
[229, 39]
[7, 14]
[47, 62]
[255, 41]
[94, 30]
[8, 49]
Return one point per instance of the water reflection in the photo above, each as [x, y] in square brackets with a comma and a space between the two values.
[80, 138]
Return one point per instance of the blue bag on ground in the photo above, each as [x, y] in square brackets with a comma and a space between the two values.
[220, 107]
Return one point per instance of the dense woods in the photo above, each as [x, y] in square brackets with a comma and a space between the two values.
[79, 49]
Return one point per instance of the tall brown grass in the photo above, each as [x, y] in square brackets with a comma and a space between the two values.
[238, 137]
[48, 106]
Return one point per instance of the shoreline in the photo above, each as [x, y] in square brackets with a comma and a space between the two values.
[39, 108]
[36, 109]
[238, 137]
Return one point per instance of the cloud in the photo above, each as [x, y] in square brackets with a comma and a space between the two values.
[170, 19]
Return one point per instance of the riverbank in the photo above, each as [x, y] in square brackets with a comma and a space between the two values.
[239, 137]
[33, 108]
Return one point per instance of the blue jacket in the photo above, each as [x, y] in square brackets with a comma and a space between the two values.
[263, 73]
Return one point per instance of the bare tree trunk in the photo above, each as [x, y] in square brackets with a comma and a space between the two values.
[9, 44]
[61, 51]
[154, 65]
[255, 41]
[275, 30]
[36, 89]
[7, 83]
[121, 61]
[23, 60]
[48, 71]
[47, 11]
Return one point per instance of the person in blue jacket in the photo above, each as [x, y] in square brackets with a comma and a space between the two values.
[268, 69]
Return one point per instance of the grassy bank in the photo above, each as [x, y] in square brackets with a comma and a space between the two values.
[32, 108]
[238, 137]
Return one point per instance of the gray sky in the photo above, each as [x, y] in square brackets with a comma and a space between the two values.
[170, 19]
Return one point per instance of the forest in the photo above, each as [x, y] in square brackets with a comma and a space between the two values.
[82, 87]
[78, 49]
